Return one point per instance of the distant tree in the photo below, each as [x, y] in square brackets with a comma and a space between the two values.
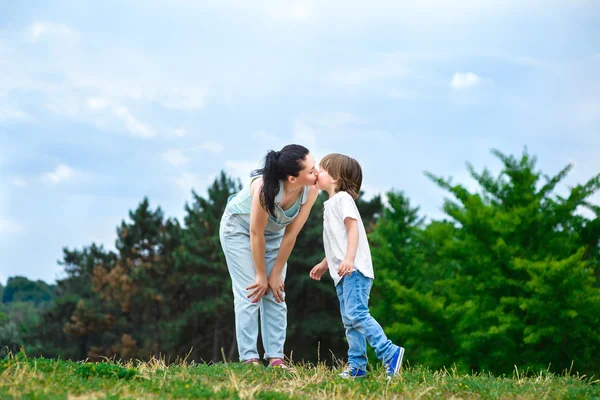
[19, 288]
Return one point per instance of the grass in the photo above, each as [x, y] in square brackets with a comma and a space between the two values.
[38, 378]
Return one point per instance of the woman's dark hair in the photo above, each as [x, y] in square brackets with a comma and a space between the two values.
[278, 166]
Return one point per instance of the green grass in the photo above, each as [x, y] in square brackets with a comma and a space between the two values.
[38, 378]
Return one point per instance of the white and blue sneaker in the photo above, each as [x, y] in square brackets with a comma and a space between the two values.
[393, 367]
[353, 373]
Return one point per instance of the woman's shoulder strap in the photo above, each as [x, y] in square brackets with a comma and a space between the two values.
[305, 194]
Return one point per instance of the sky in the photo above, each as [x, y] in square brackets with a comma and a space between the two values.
[103, 103]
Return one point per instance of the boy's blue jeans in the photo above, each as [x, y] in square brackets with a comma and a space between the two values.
[353, 293]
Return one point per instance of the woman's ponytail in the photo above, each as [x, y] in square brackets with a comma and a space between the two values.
[271, 176]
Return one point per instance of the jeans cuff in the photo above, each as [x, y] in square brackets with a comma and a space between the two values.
[274, 355]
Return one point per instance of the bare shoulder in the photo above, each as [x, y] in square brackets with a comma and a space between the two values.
[256, 185]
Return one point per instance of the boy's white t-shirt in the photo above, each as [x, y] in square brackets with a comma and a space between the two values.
[335, 237]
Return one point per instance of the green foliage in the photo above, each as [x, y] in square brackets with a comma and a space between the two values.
[200, 284]
[64, 330]
[104, 370]
[510, 280]
[19, 288]
[10, 339]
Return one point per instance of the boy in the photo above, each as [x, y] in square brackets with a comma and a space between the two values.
[348, 258]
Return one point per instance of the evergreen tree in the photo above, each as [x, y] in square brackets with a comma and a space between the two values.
[508, 250]
[64, 330]
[138, 285]
[19, 288]
[204, 321]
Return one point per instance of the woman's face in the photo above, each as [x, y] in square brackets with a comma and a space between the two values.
[308, 175]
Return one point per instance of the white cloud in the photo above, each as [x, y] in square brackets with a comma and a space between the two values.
[301, 11]
[464, 80]
[265, 136]
[211, 146]
[138, 128]
[188, 181]
[169, 93]
[8, 227]
[389, 67]
[176, 157]
[97, 104]
[43, 29]
[289, 11]
[185, 99]
[19, 182]
[241, 169]
[133, 125]
[347, 14]
[372, 191]
[61, 174]
[337, 119]
[7, 114]
[179, 132]
[307, 129]
[304, 135]
[399, 94]
[63, 106]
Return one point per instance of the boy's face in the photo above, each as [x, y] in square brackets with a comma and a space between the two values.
[325, 181]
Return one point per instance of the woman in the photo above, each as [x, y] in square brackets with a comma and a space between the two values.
[258, 231]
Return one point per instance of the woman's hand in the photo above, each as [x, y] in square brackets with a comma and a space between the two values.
[259, 288]
[277, 286]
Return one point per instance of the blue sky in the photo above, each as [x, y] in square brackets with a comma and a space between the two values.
[103, 103]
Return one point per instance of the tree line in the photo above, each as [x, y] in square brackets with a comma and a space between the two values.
[509, 276]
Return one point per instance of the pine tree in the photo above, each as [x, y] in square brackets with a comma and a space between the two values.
[138, 285]
[507, 250]
[204, 321]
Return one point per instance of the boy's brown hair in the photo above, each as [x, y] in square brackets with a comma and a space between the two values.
[346, 170]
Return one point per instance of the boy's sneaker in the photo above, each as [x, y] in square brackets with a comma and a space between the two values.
[352, 373]
[393, 367]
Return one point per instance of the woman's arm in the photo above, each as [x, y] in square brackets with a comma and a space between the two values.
[288, 242]
[258, 221]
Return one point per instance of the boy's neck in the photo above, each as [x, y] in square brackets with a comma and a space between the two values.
[331, 192]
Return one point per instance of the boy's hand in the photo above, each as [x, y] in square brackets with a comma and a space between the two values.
[345, 268]
[318, 270]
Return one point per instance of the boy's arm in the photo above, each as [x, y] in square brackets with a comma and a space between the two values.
[318, 270]
[347, 265]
